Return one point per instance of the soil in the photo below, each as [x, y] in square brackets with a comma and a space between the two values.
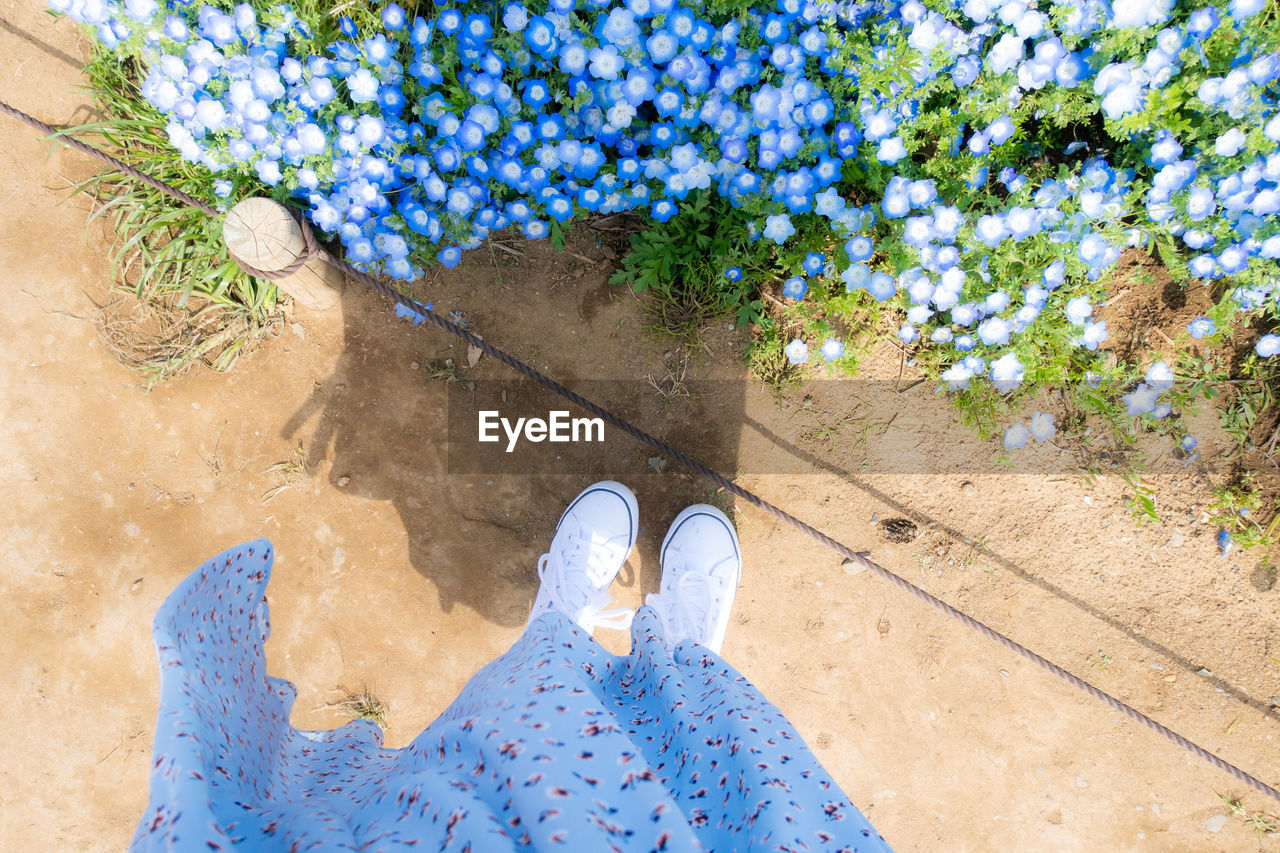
[398, 573]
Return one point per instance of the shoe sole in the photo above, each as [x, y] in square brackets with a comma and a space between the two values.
[713, 512]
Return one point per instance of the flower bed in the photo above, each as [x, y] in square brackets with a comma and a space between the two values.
[978, 166]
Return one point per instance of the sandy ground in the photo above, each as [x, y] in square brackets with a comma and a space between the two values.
[396, 575]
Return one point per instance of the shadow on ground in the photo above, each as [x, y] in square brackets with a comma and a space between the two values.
[477, 518]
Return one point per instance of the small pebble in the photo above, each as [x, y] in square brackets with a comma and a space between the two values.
[853, 567]
[1216, 822]
[1081, 783]
[967, 487]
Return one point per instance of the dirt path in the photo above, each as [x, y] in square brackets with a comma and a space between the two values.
[395, 574]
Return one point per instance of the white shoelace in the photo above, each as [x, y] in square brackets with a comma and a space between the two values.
[574, 575]
[688, 611]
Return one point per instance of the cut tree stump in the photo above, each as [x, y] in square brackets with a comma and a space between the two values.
[266, 236]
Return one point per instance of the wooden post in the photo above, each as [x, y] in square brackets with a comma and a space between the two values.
[266, 235]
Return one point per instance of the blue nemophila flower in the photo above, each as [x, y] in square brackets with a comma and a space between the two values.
[1042, 426]
[1006, 373]
[757, 124]
[1267, 346]
[515, 18]
[1079, 310]
[1000, 130]
[797, 351]
[1160, 377]
[832, 349]
[1225, 543]
[991, 230]
[1015, 437]
[891, 150]
[795, 288]
[1229, 144]
[1093, 334]
[813, 263]
[540, 35]
[1200, 326]
[778, 228]
[1141, 401]
[859, 248]
[882, 286]
[993, 331]
[733, 274]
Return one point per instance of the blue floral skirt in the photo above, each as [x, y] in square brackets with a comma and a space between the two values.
[555, 743]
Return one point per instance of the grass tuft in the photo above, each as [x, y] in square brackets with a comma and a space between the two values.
[363, 705]
[197, 305]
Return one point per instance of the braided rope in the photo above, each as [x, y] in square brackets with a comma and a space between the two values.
[453, 328]
[50, 130]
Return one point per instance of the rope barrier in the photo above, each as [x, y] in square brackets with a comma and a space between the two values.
[313, 250]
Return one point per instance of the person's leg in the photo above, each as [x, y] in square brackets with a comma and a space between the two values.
[531, 748]
[734, 764]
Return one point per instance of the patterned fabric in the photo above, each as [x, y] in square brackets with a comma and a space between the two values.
[555, 743]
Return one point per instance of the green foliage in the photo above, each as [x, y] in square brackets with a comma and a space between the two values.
[682, 261]
[1239, 508]
[1142, 506]
[164, 251]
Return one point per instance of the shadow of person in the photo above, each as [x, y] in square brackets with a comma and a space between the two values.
[379, 433]
[380, 428]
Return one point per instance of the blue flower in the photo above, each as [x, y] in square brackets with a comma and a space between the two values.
[1093, 334]
[1079, 310]
[1042, 426]
[795, 288]
[1015, 437]
[540, 35]
[1229, 144]
[1267, 346]
[993, 331]
[813, 263]
[882, 286]
[778, 228]
[515, 18]
[859, 248]
[362, 86]
[1200, 326]
[797, 351]
[832, 349]
[891, 150]
[1000, 130]
[1006, 373]
[1160, 377]
[606, 62]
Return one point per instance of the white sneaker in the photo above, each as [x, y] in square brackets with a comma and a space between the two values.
[592, 541]
[701, 564]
